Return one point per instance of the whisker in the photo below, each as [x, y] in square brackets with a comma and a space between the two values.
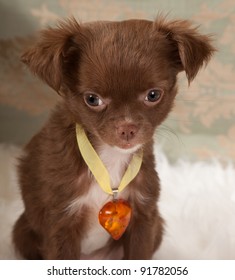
[167, 132]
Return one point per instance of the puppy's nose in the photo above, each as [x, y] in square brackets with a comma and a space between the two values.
[127, 131]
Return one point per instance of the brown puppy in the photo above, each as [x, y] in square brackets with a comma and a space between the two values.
[118, 80]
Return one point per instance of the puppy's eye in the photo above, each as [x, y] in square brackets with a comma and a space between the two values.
[93, 100]
[153, 96]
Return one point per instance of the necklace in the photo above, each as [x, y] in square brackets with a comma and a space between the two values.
[115, 215]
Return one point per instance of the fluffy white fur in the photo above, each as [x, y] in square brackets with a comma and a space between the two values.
[197, 203]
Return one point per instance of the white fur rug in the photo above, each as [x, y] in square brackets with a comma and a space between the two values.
[197, 203]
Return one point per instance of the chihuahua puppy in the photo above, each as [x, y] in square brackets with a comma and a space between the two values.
[117, 80]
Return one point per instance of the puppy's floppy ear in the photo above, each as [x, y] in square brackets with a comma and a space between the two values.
[193, 49]
[48, 57]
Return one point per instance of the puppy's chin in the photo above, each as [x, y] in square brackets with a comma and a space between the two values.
[128, 150]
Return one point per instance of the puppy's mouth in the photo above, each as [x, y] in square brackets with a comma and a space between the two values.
[128, 148]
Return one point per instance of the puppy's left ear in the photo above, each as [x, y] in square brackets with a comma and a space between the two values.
[193, 49]
[50, 58]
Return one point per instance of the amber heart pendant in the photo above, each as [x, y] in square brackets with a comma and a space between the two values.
[115, 217]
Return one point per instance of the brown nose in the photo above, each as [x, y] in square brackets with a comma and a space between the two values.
[127, 131]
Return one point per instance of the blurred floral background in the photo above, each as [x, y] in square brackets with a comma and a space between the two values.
[200, 127]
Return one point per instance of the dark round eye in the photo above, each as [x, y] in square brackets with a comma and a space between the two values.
[153, 95]
[93, 100]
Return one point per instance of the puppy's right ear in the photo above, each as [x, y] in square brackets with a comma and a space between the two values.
[192, 49]
[48, 58]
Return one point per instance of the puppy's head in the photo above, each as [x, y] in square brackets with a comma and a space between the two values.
[119, 78]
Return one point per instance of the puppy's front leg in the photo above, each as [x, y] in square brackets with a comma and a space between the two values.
[144, 233]
[143, 236]
[63, 242]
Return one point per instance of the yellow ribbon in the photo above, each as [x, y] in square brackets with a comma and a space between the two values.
[97, 167]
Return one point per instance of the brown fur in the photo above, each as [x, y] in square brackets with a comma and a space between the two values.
[119, 61]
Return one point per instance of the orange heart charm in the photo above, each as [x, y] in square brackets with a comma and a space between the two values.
[115, 217]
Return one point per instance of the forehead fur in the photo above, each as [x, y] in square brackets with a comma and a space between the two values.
[124, 54]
